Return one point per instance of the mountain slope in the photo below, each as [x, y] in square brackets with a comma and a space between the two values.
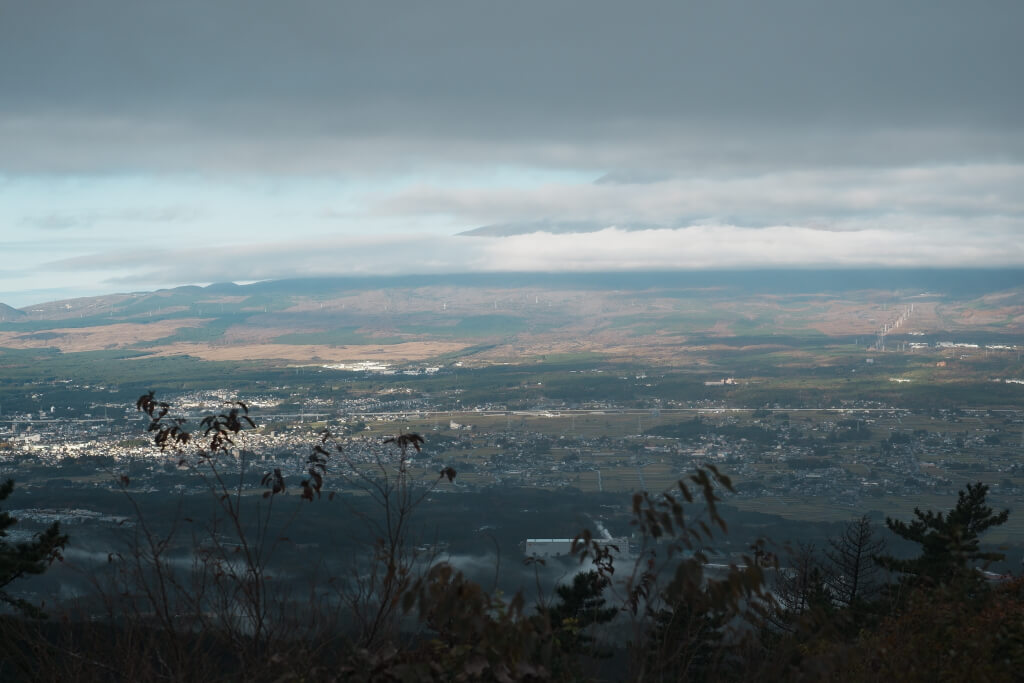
[9, 314]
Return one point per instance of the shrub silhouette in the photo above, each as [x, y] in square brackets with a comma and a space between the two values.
[18, 560]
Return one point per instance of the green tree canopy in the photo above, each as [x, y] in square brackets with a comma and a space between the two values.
[949, 542]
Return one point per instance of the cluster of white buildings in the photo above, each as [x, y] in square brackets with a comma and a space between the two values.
[380, 368]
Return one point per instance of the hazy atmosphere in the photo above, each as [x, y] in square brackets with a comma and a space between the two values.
[562, 341]
[146, 145]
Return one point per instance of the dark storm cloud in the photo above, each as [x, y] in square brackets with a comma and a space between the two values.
[114, 83]
[361, 136]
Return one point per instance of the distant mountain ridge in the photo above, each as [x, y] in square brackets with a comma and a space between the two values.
[10, 314]
[491, 317]
[966, 282]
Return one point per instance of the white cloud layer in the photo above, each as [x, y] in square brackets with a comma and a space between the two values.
[703, 246]
[827, 197]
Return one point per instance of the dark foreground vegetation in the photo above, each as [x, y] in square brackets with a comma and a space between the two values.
[662, 609]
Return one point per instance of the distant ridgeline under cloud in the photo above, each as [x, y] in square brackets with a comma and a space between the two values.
[909, 281]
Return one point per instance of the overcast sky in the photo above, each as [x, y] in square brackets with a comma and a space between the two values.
[148, 144]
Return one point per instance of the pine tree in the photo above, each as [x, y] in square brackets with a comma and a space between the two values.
[581, 604]
[949, 542]
[18, 560]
